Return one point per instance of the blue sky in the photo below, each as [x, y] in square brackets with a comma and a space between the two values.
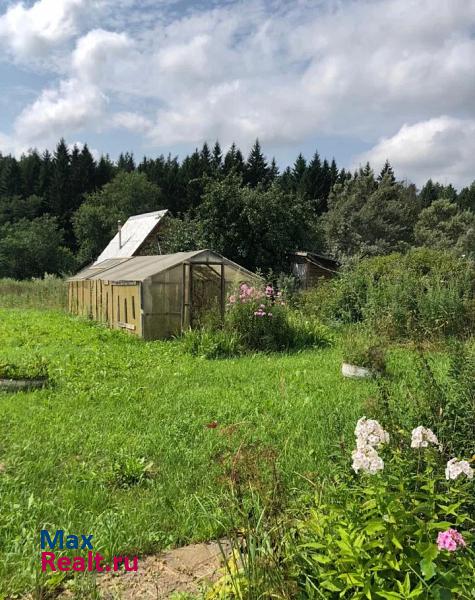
[357, 79]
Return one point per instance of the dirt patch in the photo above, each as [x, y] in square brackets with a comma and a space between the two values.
[189, 569]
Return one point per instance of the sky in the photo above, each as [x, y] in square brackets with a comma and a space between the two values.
[356, 80]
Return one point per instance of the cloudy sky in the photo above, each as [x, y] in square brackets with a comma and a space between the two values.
[357, 79]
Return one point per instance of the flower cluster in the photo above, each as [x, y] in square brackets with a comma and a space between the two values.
[458, 467]
[450, 540]
[261, 312]
[421, 438]
[367, 460]
[369, 432]
[369, 435]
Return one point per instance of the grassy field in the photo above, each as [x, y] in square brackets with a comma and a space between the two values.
[48, 293]
[119, 447]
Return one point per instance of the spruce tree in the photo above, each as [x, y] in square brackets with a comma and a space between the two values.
[233, 161]
[126, 162]
[104, 171]
[256, 170]
[387, 171]
[299, 172]
[217, 158]
[60, 189]
[30, 166]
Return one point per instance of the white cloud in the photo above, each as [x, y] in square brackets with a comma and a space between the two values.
[76, 103]
[69, 108]
[441, 149]
[29, 33]
[279, 71]
[131, 121]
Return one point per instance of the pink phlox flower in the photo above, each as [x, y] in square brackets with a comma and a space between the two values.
[450, 540]
[232, 299]
[269, 291]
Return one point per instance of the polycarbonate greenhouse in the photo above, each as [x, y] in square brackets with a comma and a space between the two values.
[156, 297]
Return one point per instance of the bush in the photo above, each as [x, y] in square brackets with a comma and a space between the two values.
[437, 389]
[259, 319]
[377, 539]
[255, 321]
[363, 349]
[218, 343]
[423, 294]
[392, 531]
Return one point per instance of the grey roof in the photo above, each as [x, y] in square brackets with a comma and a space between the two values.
[139, 268]
[315, 255]
[95, 269]
[134, 232]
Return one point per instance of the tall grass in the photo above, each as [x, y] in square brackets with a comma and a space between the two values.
[142, 445]
[50, 292]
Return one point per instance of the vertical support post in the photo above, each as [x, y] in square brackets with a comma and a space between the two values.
[223, 290]
[183, 298]
[190, 299]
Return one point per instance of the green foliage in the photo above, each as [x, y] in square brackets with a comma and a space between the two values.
[255, 227]
[260, 324]
[366, 218]
[49, 292]
[444, 226]
[130, 471]
[115, 395]
[181, 235]
[95, 222]
[363, 349]
[368, 536]
[438, 390]
[33, 367]
[33, 248]
[212, 343]
[376, 539]
[423, 294]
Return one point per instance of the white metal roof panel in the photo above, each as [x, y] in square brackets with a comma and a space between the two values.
[133, 234]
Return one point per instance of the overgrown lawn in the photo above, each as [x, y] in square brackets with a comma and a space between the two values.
[77, 456]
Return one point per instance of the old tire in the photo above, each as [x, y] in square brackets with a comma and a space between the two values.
[21, 385]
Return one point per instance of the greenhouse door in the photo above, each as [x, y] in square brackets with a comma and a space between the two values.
[206, 292]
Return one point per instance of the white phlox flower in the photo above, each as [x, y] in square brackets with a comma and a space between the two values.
[367, 460]
[369, 432]
[457, 467]
[421, 437]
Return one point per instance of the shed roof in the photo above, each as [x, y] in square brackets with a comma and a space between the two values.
[139, 268]
[316, 258]
[133, 234]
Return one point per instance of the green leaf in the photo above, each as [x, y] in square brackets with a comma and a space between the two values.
[431, 552]
[396, 542]
[428, 568]
[440, 593]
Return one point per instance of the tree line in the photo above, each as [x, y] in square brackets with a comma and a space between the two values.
[59, 210]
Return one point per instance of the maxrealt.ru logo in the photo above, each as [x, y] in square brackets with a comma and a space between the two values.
[92, 561]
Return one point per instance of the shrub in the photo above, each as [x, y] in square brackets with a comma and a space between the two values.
[207, 343]
[363, 349]
[392, 531]
[423, 294]
[259, 319]
[441, 392]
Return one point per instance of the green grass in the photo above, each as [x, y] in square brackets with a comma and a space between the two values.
[74, 455]
[48, 293]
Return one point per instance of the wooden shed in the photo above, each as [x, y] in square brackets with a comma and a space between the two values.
[309, 267]
[155, 297]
